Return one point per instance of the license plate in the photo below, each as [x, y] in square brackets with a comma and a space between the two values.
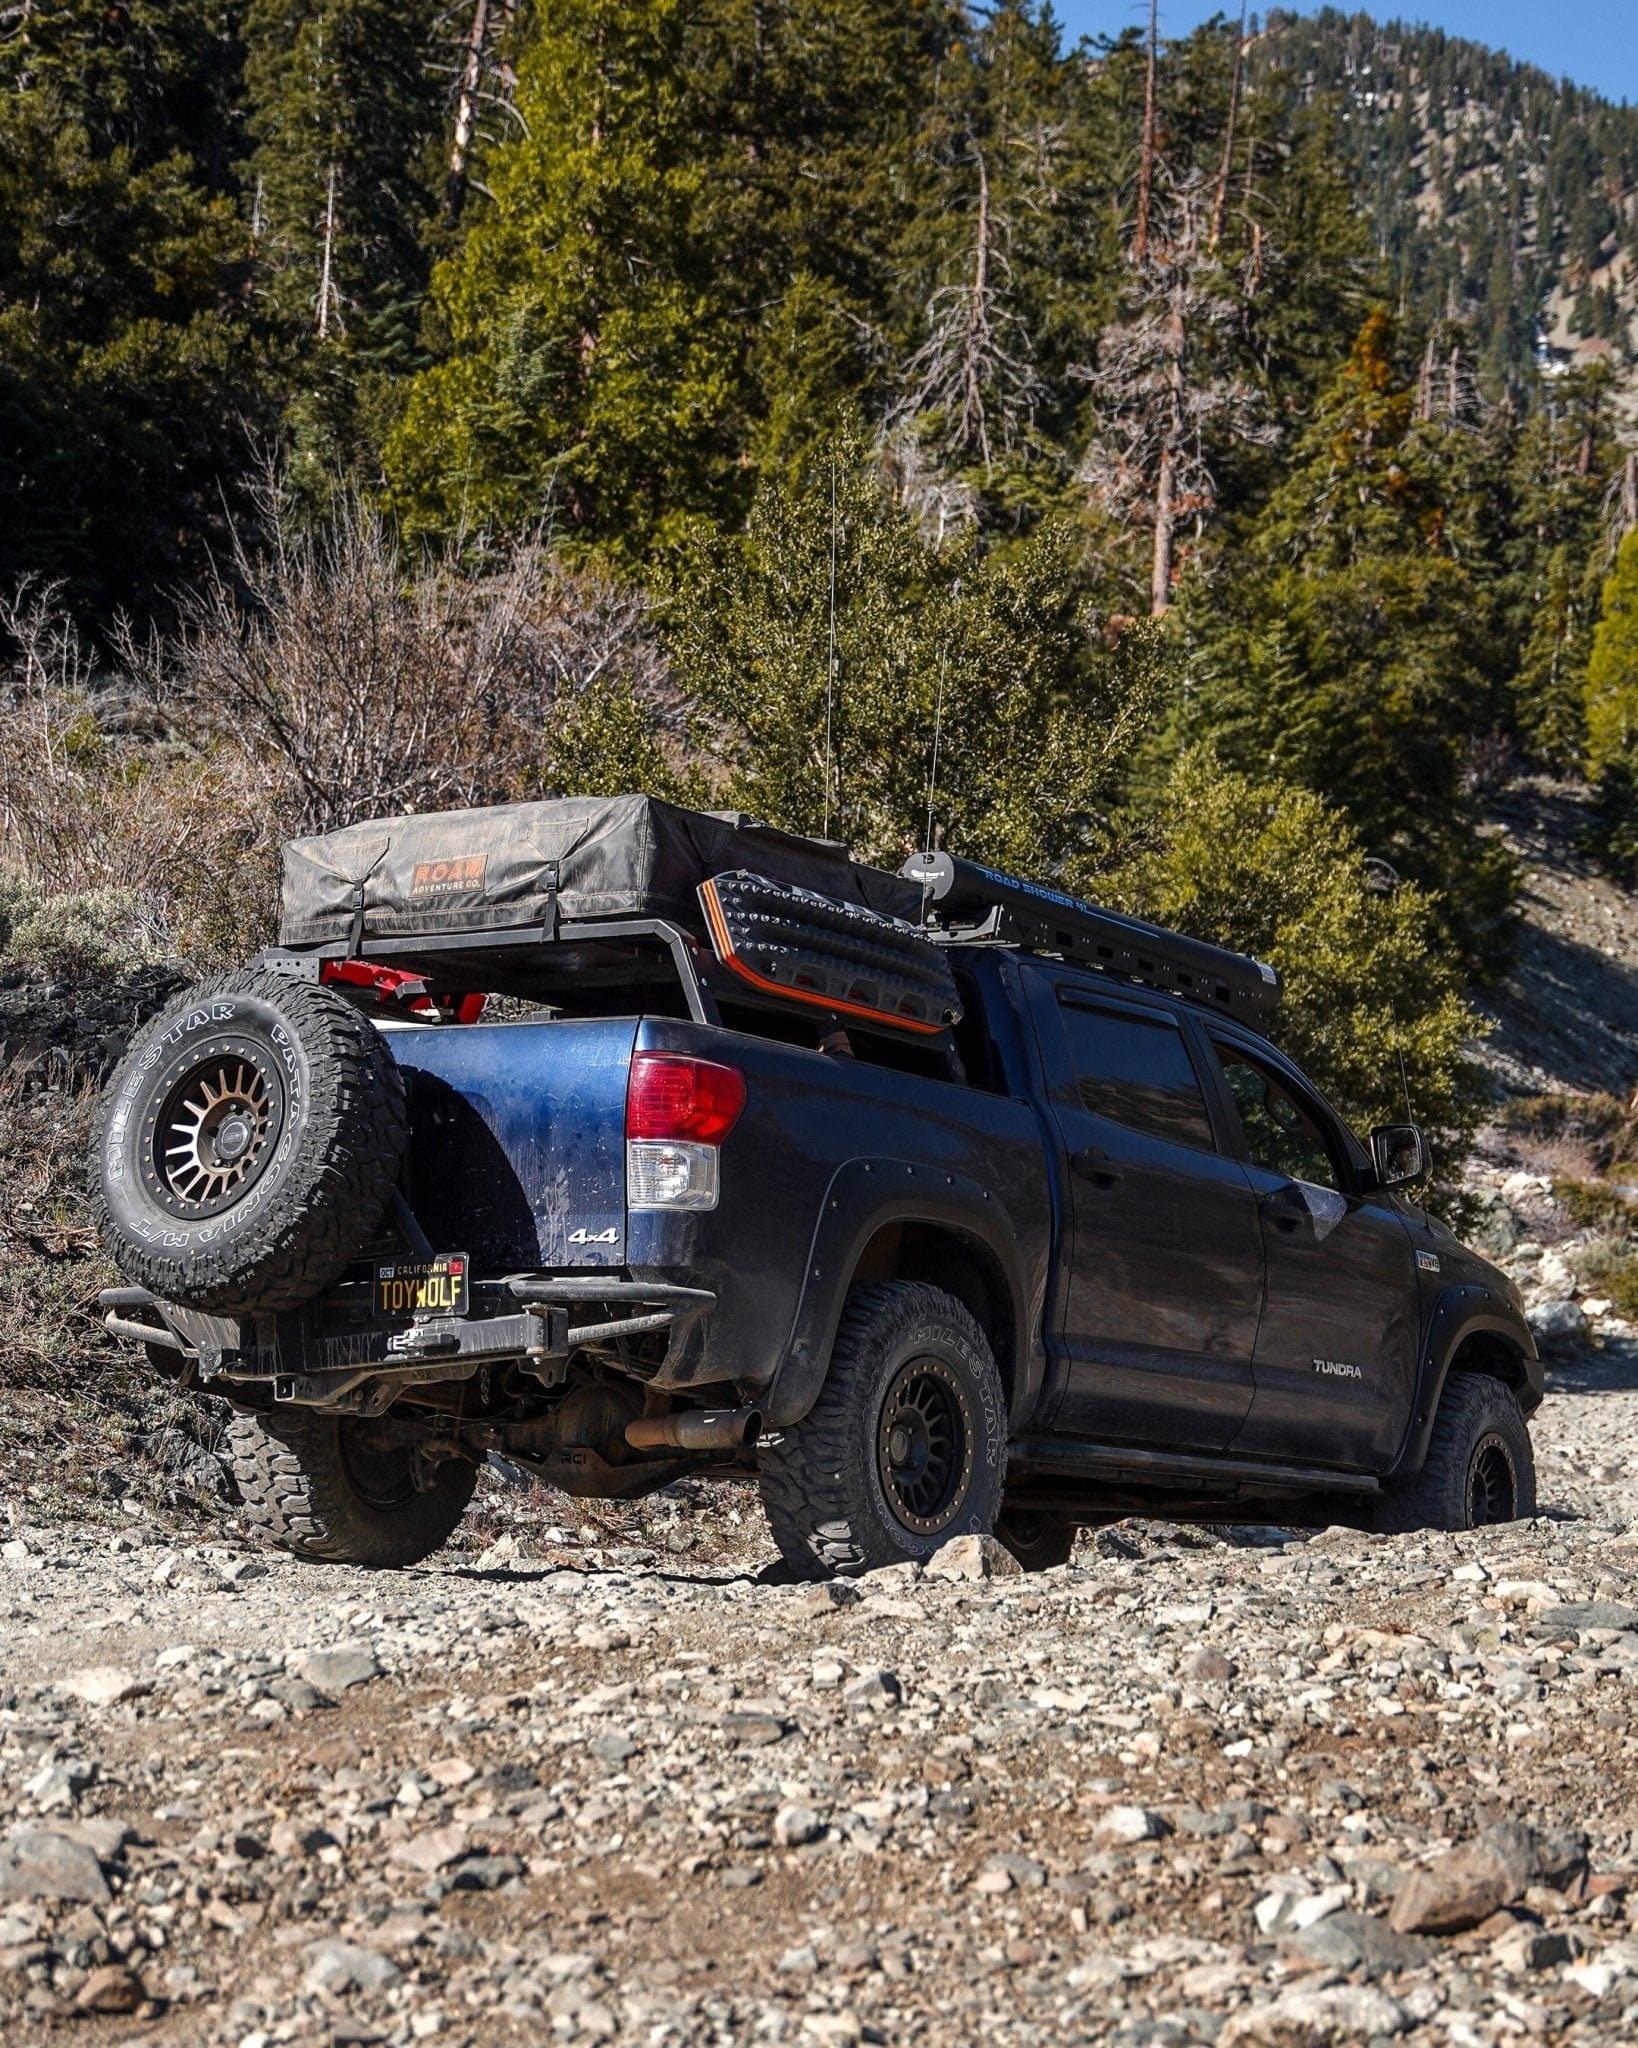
[424, 1287]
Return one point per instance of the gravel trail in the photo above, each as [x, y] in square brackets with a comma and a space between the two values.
[1196, 1787]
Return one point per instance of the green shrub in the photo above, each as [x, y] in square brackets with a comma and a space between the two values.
[76, 936]
[1612, 817]
[19, 899]
[1609, 1267]
[1605, 1124]
[1271, 870]
[1594, 1205]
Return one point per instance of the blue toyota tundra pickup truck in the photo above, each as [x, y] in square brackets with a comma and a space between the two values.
[614, 1142]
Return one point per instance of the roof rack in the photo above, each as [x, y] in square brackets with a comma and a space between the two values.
[964, 903]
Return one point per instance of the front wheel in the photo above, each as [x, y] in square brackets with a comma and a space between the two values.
[1479, 1469]
[905, 1447]
[343, 1488]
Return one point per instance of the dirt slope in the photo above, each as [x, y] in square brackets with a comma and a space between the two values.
[1568, 1015]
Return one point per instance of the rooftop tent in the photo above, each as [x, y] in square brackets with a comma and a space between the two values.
[537, 865]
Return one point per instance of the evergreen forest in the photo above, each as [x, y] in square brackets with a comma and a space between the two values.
[1198, 471]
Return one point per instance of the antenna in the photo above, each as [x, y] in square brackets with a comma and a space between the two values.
[1404, 1071]
[830, 664]
[938, 727]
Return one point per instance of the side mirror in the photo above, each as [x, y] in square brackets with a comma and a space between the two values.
[1399, 1153]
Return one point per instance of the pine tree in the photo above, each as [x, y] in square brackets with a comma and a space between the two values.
[340, 191]
[127, 368]
[674, 179]
[1164, 389]
[1554, 559]
[1612, 671]
[345, 117]
[996, 276]
[1344, 647]
[990, 658]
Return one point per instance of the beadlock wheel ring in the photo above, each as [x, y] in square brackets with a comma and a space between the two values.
[216, 1130]
[1492, 1484]
[925, 1445]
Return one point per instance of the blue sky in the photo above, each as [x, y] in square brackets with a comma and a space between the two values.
[1594, 42]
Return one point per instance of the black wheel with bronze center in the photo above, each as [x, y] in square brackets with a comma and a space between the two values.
[250, 1140]
[924, 1445]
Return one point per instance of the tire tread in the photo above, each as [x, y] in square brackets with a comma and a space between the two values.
[813, 1511]
[1471, 1404]
[322, 1218]
[294, 1495]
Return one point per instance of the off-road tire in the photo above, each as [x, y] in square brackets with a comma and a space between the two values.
[320, 1163]
[1039, 1543]
[821, 1480]
[1480, 1467]
[303, 1487]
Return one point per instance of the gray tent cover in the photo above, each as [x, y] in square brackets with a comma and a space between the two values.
[569, 859]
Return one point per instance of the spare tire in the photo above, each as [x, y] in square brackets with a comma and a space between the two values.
[250, 1141]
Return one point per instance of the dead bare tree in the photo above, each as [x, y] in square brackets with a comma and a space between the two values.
[1146, 152]
[1447, 385]
[972, 379]
[466, 110]
[1219, 209]
[1620, 505]
[329, 299]
[1162, 389]
[319, 678]
[939, 503]
[479, 34]
[373, 684]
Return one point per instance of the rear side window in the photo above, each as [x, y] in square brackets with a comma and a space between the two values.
[1136, 1071]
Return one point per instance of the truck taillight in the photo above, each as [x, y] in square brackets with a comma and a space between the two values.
[671, 1095]
[678, 1111]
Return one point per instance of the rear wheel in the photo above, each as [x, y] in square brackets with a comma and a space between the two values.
[905, 1447]
[338, 1487]
[1480, 1467]
[1038, 1541]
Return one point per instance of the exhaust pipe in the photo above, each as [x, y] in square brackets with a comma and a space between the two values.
[696, 1429]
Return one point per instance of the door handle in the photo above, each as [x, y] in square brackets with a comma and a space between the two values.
[1288, 1212]
[1093, 1164]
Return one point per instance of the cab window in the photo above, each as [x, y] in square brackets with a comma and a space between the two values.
[1282, 1135]
[1135, 1070]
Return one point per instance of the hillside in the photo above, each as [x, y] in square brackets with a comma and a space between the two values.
[1498, 196]
[1567, 1016]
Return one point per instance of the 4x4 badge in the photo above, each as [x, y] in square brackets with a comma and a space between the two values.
[585, 1236]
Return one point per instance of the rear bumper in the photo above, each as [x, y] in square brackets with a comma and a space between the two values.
[364, 1369]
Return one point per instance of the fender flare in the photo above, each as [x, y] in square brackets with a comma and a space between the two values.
[1458, 1314]
[863, 1196]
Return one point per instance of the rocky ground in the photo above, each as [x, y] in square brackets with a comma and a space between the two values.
[1195, 1787]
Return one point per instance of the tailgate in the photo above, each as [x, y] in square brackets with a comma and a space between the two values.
[517, 1139]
